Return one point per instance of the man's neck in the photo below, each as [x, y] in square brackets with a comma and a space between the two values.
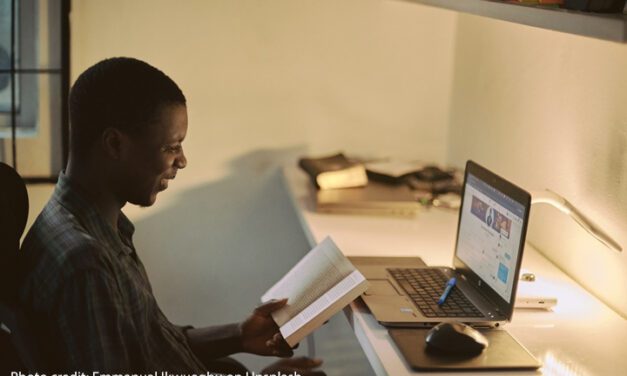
[98, 190]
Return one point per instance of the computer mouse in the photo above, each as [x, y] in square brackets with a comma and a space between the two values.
[455, 338]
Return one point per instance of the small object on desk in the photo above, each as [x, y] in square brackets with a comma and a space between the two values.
[447, 290]
[433, 173]
[335, 171]
[534, 292]
[455, 338]
[397, 172]
[392, 172]
[436, 187]
[528, 277]
[424, 198]
[447, 201]
[434, 180]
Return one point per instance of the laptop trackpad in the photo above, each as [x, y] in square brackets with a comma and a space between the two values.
[381, 287]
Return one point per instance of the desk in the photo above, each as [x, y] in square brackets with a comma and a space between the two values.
[581, 336]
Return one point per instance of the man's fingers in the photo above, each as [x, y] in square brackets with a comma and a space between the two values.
[280, 346]
[271, 306]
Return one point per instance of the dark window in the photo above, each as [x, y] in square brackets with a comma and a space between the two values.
[34, 81]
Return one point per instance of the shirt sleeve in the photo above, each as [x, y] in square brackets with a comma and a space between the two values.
[91, 324]
[214, 342]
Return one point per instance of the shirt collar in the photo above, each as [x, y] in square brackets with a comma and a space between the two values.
[71, 196]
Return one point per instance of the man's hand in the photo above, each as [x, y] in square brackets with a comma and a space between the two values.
[301, 366]
[260, 334]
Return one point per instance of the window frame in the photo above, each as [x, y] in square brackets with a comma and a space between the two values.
[63, 71]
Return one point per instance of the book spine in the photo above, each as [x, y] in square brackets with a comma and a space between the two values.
[310, 168]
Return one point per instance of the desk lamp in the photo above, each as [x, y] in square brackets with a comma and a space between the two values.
[560, 203]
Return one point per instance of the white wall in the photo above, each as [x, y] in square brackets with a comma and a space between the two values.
[547, 110]
[369, 77]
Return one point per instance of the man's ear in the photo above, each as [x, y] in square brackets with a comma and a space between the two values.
[114, 143]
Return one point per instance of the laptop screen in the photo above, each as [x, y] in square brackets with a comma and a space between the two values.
[490, 229]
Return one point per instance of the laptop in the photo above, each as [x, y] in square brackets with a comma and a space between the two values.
[486, 264]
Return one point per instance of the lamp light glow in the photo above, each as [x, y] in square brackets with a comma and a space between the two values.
[551, 198]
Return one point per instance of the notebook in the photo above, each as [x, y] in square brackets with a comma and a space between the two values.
[488, 253]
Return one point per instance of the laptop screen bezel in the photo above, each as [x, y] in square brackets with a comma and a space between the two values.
[519, 195]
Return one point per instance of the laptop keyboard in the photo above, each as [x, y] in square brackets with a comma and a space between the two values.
[425, 286]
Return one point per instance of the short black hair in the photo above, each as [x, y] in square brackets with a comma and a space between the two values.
[119, 92]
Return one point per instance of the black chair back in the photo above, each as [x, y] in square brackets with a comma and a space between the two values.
[13, 216]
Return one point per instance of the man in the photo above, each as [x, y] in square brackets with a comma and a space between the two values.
[84, 285]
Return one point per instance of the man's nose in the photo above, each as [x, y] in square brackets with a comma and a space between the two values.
[181, 161]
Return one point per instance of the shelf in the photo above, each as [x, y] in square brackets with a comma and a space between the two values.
[612, 27]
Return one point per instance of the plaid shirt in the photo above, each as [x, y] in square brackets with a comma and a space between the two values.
[89, 297]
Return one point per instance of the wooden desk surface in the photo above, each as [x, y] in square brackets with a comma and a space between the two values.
[580, 336]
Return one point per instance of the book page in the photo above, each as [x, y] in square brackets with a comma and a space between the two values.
[316, 273]
[323, 302]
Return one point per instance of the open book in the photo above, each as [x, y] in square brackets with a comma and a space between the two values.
[318, 286]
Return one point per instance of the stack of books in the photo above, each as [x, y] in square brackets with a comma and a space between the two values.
[343, 187]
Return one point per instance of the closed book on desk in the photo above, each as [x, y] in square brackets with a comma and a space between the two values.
[317, 287]
[334, 171]
[373, 199]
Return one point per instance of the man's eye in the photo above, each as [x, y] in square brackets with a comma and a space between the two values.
[173, 149]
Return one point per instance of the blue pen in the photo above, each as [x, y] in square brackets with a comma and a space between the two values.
[447, 290]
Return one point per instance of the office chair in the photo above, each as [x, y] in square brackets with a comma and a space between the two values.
[16, 345]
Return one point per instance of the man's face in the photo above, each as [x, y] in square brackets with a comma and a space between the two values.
[154, 157]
